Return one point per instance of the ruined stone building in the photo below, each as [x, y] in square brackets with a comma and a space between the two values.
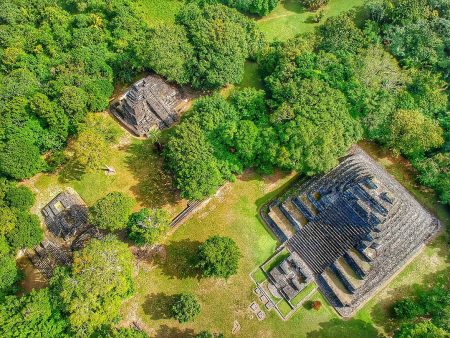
[66, 218]
[149, 103]
[353, 227]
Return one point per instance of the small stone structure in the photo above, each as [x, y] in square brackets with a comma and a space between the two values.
[66, 217]
[66, 214]
[149, 103]
[290, 277]
[353, 227]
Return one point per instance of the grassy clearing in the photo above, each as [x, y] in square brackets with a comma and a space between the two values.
[284, 307]
[259, 276]
[233, 212]
[289, 18]
[155, 12]
[302, 294]
[276, 260]
[139, 174]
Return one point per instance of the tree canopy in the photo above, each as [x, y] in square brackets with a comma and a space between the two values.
[218, 257]
[185, 307]
[99, 280]
[147, 226]
[112, 211]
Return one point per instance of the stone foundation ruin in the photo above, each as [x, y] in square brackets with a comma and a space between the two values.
[66, 218]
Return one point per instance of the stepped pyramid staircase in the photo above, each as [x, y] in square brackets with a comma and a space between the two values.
[354, 228]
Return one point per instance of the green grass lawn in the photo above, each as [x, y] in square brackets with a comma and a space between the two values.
[233, 212]
[302, 294]
[156, 12]
[276, 260]
[289, 18]
[139, 174]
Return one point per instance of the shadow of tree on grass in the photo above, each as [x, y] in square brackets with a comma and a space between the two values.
[155, 187]
[181, 259]
[157, 306]
[165, 331]
[345, 329]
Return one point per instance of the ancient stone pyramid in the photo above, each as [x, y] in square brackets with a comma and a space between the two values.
[149, 103]
[354, 227]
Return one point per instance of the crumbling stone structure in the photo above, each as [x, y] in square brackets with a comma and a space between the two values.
[149, 103]
[354, 227]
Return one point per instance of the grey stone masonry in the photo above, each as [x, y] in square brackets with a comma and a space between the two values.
[149, 103]
[66, 214]
[362, 227]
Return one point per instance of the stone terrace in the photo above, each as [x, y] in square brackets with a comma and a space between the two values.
[354, 227]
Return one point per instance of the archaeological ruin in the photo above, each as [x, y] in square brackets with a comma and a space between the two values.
[149, 103]
[353, 228]
[66, 214]
[66, 218]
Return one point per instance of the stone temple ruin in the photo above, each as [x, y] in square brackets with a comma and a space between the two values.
[66, 217]
[289, 278]
[149, 103]
[65, 214]
[353, 228]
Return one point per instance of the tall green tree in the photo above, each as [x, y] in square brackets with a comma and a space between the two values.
[218, 257]
[112, 211]
[222, 39]
[190, 157]
[99, 280]
[33, 315]
[185, 307]
[412, 133]
[148, 226]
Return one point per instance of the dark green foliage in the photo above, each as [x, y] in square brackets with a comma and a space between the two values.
[222, 39]
[27, 233]
[169, 52]
[339, 34]
[122, 332]
[56, 63]
[204, 334]
[218, 140]
[19, 197]
[20, 159]
[147, 226]
[190, 157]
[33, 315]
[421, 330]
[185, 308]
[315, 128]
[111, 212]
[218, 257]
[99, 280]
[413, 134]
[426, 313]
[20, 228]
[259, 7]
[9, 275]
[435, 172]
[406, 309]
[314, 5]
